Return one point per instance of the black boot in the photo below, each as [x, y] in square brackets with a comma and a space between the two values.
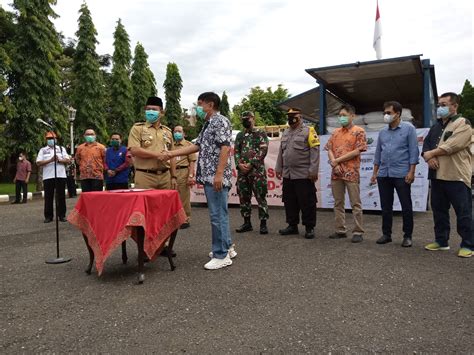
[263, 226]
[246, 227]
[291, 229]
[309, 233]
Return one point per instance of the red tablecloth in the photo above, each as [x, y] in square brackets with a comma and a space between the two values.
[107, 217]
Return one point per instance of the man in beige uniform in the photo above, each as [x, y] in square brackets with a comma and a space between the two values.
[184, 172]
[145, 141]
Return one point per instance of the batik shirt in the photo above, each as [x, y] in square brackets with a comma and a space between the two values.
[217, 132]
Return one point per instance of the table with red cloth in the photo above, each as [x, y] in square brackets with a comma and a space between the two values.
[107, 218]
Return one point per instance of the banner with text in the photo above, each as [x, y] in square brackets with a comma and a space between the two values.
[369, 193]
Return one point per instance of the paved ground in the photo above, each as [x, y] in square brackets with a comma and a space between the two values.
[281, 295]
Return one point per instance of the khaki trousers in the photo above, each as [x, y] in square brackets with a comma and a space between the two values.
[339, 188]
[152, 181]
[184, 191]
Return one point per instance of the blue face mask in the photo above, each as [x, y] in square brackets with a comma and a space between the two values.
[178, 136]
[442, 111]
[200, 112]
[152, 116]
[50, 142]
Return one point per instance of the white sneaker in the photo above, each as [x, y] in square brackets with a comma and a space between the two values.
[232, 252]
[215, 263]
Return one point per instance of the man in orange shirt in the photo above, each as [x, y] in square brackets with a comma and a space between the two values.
[344, 148]
[90, 158]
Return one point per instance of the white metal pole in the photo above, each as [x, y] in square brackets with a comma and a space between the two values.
[72, 138]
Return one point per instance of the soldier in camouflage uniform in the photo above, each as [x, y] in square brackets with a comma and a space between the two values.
[250, 150]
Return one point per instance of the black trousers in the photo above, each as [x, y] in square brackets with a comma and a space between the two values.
[387, 187]
[116, 186]
[92, 185]
[445, 194]
[19, 186]
[300, 195]
[49, 193]
[71, 186]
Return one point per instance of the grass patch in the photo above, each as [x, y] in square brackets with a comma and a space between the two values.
[7, 189]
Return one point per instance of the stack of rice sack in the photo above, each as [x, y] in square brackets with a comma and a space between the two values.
[371, 121]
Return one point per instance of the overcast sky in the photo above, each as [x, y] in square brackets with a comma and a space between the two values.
[236, 45]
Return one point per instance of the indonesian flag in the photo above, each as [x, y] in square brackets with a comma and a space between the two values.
[378, 34]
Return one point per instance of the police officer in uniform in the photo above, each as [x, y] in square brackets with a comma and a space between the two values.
[250, 150]
[298, 164]
[184, 172]
[146, 141]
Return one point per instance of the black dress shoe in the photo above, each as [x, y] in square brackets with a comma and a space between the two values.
[309, 233]
[384, 239]
[48, 220]
[406, 242]
[164, 252]
[289, 230]
[185, 225]
[15, 202]
[357, 238]
[62, 219]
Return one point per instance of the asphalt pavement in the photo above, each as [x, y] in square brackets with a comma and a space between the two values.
[281, 295]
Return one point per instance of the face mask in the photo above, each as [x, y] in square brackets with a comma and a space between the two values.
[178, 136]
[388, 118]
[50, 142]
[343, 120]
[200, 112]
[442, 111]
[246, 123]
[114, 143]
[90, 139]
[152, 116]
[20, 158]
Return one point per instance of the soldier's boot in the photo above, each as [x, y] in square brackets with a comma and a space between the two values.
[263, 226]
[246, 227]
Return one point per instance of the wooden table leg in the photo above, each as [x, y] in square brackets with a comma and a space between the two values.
[124, 252]
[91, 256]
[170, 249]
[141, 253]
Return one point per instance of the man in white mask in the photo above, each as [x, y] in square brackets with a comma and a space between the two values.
[396, 157]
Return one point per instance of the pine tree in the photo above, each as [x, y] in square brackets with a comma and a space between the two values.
[121, 110]
[143, 81]
[89, 96]
[466, 108]
[35, 82]
[7, 30]
[173, 85]
[224, 107]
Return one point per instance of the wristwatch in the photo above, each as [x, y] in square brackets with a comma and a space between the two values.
[191, 176]
[174, 177]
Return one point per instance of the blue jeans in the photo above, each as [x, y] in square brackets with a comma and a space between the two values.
[443, 195]
[219, 215]
[387, 185]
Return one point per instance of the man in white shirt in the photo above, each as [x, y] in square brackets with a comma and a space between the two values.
[45, 159]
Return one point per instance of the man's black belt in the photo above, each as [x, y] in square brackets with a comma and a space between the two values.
[150, 171]
[182, 167]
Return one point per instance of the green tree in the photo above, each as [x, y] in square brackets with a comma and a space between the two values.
[143, 81]
[7, 34]
[224, 107]
[173, 85]
[121, 91]
[35, 81]
[467, 101]
[263, 103]
[89, 95]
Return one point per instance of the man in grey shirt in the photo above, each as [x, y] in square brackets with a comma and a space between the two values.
[298, 164]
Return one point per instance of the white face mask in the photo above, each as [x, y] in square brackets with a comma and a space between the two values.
[388, 118]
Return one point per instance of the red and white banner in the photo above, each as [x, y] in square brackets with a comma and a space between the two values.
[369, 193]
[377, 43]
